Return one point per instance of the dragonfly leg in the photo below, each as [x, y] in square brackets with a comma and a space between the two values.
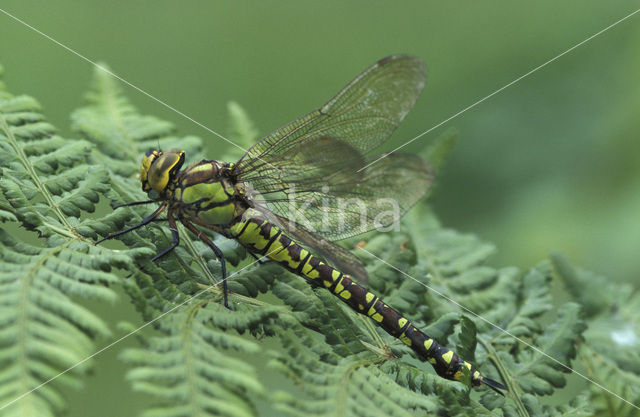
[175, 240]
[216, 250]
[174, 235]
[135, 203]
[260, 259]
[144, 222]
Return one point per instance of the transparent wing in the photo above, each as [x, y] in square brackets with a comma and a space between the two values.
[363, 114]
[309, 171]
[346, 202]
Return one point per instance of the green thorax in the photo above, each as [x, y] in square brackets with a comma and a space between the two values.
[207, 194]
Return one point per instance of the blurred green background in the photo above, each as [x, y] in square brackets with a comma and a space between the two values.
[550, 163]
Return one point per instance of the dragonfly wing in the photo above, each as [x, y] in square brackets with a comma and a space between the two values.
[347, 203]
[311, 170]
[363, 114]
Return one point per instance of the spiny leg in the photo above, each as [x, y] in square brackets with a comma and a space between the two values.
[153, 217]
[175, 240]
[259, 259]
[217, 252]
[135, 203]
[144, 222]
[175, 237]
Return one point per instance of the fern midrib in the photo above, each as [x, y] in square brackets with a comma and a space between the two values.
[504, 374]
[23, 321]
[189, 371]
[372, 332]
[188, 243]
[343, 392]
[34, 176]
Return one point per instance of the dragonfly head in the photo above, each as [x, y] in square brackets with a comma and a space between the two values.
[159, 168]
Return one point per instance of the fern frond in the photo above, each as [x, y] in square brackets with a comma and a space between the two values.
[349, 383]
[120, 134]
[241, 131]
[189, 367]
[438, 151]
[34, 164]
[610, 349]
[47, 184]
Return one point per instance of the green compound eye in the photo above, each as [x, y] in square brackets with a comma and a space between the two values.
[158, 168]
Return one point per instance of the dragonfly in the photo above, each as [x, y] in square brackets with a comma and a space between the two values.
[308, 184]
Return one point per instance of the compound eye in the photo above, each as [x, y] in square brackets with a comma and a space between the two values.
[147, 160]
[163, 167]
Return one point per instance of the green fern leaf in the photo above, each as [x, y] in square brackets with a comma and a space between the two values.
[610, 350]
[188, 370]
[241, 130]
[47, 184]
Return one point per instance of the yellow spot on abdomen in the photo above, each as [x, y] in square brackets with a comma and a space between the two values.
[447, 356]
[335, 274]
[428, 343]
[309, 272]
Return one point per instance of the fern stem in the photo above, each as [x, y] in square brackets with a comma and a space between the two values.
[32, 173]
[372, 331]
[246, 300]
[197, 256]
[23, 318]
[190, 372]
[376, 349]
[585, 356]
[60, 231]
[504, 375]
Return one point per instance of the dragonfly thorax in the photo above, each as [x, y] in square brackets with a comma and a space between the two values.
[207, 194]
[204, 192]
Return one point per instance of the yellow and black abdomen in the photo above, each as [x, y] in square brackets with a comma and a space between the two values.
[202, 195]
[264, 238]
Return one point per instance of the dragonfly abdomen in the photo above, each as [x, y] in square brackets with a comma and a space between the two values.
[264, 238]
